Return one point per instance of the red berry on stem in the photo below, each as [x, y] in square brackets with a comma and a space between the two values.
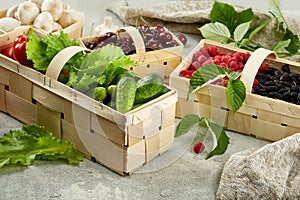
[199, 147]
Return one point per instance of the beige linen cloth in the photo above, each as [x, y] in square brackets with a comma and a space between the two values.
[187, 16]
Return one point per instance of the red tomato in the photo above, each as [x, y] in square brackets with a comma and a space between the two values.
[8, 52]
[19, 50]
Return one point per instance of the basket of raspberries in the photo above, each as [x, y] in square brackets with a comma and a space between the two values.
[270, 109]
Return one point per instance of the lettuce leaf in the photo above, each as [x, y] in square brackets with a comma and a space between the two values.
[33, 142]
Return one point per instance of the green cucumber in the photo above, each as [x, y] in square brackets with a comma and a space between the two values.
[125, 94]
[151, 78]
[148, 91]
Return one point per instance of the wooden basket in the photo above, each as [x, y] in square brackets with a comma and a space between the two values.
[74, 31]
[170, 57]
[121, 142]
[263, 117]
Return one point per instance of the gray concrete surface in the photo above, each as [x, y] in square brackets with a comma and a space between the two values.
[177, 174]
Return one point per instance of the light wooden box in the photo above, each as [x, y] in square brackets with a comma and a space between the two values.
[121, 142]
[263, 117]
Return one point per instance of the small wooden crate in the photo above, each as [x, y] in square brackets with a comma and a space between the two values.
[121, 142]
[263, 117]
[74, 31]
[170, 57]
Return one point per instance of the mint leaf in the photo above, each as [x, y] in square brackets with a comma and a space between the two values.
[215, 31]
[236, 94]
[241, 31]
[222, 140]
[186, 124]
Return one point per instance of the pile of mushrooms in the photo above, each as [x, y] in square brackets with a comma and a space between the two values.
[47, 15]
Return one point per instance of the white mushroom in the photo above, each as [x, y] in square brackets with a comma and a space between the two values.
[8, 24]
[27, 12]
[55, 7]
[12, 10]
[70, 17]
[44, 21]
[56, 27]
[38, 3]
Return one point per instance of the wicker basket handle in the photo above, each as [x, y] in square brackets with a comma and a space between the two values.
[137, 39]
[252, 66]
[61, 58]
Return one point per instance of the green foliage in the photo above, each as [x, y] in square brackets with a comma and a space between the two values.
[191, 120]
[33, 142]
[230, 27]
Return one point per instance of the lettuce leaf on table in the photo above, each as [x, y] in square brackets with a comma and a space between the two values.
[33, 142]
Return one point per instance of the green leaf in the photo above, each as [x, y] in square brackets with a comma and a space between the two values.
[222, 140]
[204, 76]
[294, 45]
[186, 124]
[281, 45]
[33, 142]
[215, 31]
[36, 51]
[236, 94]
[244, 16]
[232, 75]
[241, 31]
[224, 14]
[227, 15]
[259, 28]
[276, 12]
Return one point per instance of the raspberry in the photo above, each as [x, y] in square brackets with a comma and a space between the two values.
[263, 68]
[212, 51]
[223, 65]
[255, 82]
[239, 56]
[196, 55]
[187, 76]
[185, 72]
[199, 147]
[226, 58]
[195, 65]
[202, 59]
[216, 60]
[204, 51]
[233, 65]
[208, 61]
[246, 56]
[225, 83]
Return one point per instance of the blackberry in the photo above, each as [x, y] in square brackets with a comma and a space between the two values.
[269, 83]
[277, 74]
[295, 88]
[286, 68]
[271, 88]
[270, 71]
[285, 77]
[282, 90]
